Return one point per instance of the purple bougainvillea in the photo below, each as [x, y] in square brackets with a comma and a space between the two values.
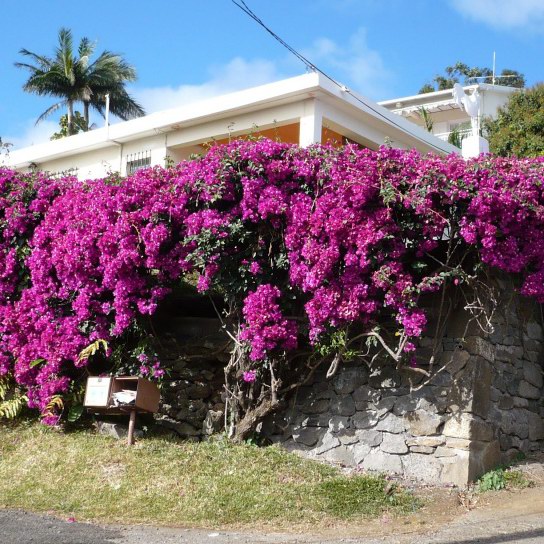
[304, 241]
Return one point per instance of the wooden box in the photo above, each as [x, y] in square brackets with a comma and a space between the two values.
[100, 391]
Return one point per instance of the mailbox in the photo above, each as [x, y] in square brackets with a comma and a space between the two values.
[105, 394]
[122, 395]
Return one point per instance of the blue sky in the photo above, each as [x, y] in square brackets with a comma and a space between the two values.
[187, 50]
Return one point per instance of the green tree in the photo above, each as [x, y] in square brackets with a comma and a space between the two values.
[78, 125]
[73, 78]
[462, 72]
[518, 129]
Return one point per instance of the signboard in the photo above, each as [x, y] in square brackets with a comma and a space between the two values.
[98, 391]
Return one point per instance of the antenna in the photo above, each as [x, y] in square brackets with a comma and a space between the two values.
[107, 115]
[494, 62]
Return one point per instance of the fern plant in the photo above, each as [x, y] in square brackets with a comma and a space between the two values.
[12, 400]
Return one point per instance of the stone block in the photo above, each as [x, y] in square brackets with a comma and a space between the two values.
[393, 443]
[484, 456]
[528, 391]
[391, 424]
[365, 420]
[431, 441]
[421, 466]
[512, 383]
[422, 449]
[308, 436]
[360, 452]
[369, 437]
[458, 361]
[385, 377]
[213, 423]
[116, 430]
[380, 461]
[536, 427]
[347, 438]
[506, 402]
[443, 451]
[468, 427]
[350, 379]
[455, 470]
[423, 423]
[405, 404]
[338, 423]
[534, 331]
[317, 420]
[341, 455]
[328, 442]
[316, 406]
[533, 374]
[476, 345]
[508, 353]
[471, 391]
[343, 406]
[520, 402]
[365, 395]
[458, 443]
[384, 405]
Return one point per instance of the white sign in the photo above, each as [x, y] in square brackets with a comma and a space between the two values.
[98, 391]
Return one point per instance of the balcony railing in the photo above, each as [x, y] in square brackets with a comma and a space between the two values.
[462, 134]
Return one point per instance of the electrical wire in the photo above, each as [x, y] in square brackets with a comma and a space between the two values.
[311, 66]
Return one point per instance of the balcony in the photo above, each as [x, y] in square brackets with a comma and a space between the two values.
[462, 134]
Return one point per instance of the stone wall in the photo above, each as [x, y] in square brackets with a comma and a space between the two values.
[194, 350]
[485, 407]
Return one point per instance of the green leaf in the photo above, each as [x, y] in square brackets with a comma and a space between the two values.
[75, 413]
[36, 362]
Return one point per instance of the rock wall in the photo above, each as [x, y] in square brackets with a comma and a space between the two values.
[194, 350]
[485, 407]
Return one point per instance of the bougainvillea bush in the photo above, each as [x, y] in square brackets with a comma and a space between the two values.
[322, 255]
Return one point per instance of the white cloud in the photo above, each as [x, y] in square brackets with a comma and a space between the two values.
[237, 74]
[526, 14]
[355, 63]
[32, 134]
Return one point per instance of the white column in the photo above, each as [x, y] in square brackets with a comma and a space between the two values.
[311, 123]
[473, 146]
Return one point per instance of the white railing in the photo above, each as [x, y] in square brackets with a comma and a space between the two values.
[462, 134]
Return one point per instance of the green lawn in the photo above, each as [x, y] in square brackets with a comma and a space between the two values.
[162, 480]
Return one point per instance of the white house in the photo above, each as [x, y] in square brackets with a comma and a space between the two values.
[445, 114]
[304, 110]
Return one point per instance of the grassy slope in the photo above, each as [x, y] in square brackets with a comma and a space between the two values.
[164, 481]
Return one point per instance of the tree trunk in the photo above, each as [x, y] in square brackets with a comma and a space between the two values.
[70, 117]
[247, 425]
[86, 114]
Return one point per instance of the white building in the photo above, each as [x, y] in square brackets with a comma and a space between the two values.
[304, 110]
[445, 114]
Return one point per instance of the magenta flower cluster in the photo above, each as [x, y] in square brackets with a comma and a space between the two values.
[302, 241]
[265, 326]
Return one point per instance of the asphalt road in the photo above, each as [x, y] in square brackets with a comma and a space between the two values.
[515, 519]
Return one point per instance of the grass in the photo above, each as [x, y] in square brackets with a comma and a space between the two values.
[162, 480]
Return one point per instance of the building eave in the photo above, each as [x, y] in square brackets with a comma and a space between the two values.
[303, 87]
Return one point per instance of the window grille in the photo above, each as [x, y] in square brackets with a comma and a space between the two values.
[64, 173]
[138, 161]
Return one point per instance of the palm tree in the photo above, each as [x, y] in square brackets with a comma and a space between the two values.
[76, 79]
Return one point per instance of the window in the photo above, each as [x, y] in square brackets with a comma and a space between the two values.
[137, 161]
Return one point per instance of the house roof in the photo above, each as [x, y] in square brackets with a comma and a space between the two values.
[440, 100]
[312, 85]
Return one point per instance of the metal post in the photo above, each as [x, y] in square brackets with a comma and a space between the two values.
[131, 424]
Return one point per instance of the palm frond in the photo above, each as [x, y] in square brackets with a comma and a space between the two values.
[49, 111]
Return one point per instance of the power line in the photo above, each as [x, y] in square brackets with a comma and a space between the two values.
[311, 66]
